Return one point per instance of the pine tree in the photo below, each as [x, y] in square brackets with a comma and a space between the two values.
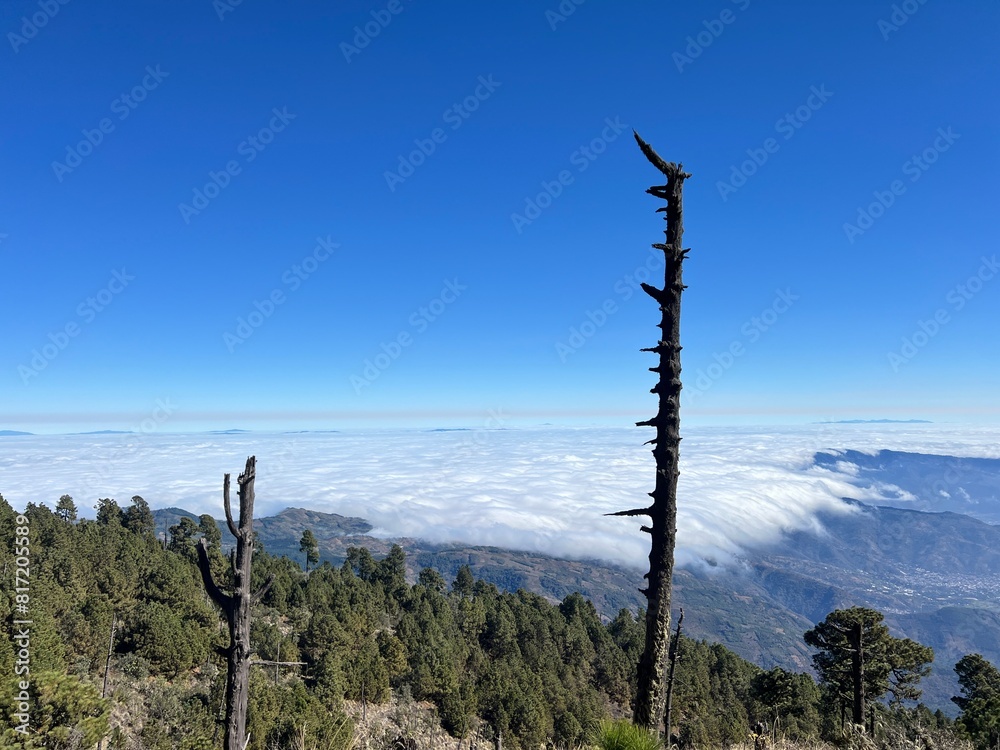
[66, 509]
[139, 518]
[980, 700]
[862, 662]
[978, 678]
[464, 582]
[108, 512]
[310, 547]
[182, 536]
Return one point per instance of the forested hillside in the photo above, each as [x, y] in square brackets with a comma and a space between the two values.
[935, 575]
[506, 663]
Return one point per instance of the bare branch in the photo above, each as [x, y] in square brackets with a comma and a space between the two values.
[263, 589]
[668, 168]
[205, 566]
[229, 513]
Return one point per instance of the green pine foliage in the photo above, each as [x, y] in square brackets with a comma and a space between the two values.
[980, 701]
[64, 710]
[489, 661]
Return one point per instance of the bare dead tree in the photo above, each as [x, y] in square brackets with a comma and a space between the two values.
[650, 695]
[111, 646]
[855, 637]
[675, 645]
[236, 606]
[107, 664]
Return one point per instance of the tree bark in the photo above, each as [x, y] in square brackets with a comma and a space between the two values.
[111, 646]
[236, 606]
[858, 671]
[674, 646]
[650, 698]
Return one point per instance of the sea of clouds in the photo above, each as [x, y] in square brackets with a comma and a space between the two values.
[542, 489]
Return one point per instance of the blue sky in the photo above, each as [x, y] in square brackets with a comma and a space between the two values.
[368, 172]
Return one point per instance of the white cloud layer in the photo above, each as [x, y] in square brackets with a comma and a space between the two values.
[541, 489]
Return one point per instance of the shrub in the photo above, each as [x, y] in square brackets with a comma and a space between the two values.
[624, 735]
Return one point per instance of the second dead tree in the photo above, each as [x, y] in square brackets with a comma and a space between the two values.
[675, 645]
[236, 606]
[650, 693]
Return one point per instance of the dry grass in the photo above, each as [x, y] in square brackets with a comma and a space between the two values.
[407, 725]
[887, 738]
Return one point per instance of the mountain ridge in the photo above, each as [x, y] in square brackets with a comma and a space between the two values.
[761, 607]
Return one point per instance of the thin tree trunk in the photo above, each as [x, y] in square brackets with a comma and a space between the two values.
[236, 606]
[858, 672]
[674, 649]
[650, 695]
[107, 665]
[111, 645]
[272, 662]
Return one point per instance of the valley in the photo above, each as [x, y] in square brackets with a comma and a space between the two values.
[935, 575]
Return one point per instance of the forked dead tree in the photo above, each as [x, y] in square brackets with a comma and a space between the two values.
[650, 694]
[236, 605]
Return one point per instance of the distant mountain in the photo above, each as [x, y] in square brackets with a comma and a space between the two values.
[714, 609]
[280, 534]
[933, 483]
[878, 421]
[13, 433]
[936, 576]
[167, 517]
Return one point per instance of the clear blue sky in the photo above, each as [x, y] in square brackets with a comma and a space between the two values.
[174, 93]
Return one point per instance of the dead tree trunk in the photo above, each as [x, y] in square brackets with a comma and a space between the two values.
[649, 702]
[111, 647]
[236, 606]
[856, 638]
[674, 653]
